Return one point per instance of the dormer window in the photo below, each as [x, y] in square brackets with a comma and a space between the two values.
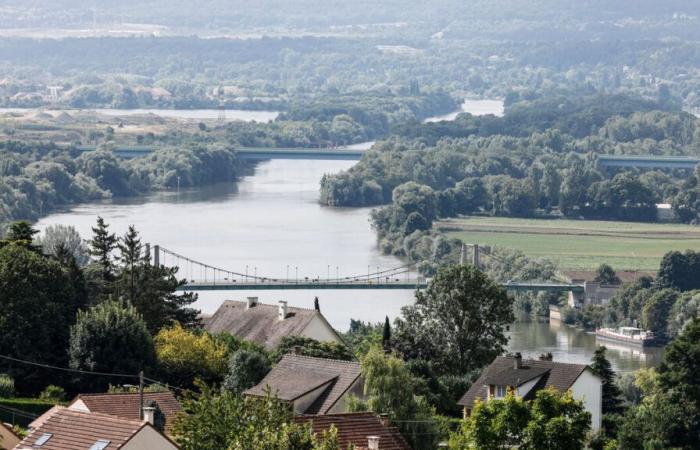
[500, 391]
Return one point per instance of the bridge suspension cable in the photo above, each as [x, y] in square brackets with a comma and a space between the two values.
[230, 275]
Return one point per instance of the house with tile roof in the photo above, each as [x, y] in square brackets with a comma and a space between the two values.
[68, 429]
[267, 325]
[527, 377]
[8, 438]
[128, 405]
[362, 430]
[312, 385]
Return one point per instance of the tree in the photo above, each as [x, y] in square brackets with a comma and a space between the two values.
[21, 233]
[64, 238]
[612, 396]
[389, 389]
[216, 420]
[553, 421]
[656, 310]
[311, 347]
[457, 323]
[386, 333]
[245, 370]
[185, 355]
[680, 271]
[110, 337]
[38, 303]
[131, 259]
[101, 246]
[606, 275]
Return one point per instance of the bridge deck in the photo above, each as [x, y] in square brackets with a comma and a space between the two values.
[409, 285]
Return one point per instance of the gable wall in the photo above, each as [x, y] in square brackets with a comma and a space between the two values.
[149, 439]
[319, 330]
[589, 389]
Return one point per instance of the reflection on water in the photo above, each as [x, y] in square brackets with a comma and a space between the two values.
[568, 344]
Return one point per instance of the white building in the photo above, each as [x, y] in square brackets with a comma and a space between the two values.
[527, 377]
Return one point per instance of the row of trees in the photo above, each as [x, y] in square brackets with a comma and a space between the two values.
[37, 178]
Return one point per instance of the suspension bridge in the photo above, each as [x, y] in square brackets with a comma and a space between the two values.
[201, 276]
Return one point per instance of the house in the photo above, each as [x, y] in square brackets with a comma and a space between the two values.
[362, 430]
[596, 293]
[267, 325]
[529, 376]
[128, 405]
[312, 385]
[64, 428]
[8, 438]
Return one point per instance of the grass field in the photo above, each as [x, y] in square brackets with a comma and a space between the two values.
[577, 244]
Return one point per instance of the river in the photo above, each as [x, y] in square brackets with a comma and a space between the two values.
[271, 224]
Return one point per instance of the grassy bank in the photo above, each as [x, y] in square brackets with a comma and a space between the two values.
[575, 244]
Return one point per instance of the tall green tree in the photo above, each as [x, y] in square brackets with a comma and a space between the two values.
[131, 259]
[21, 233]
[102, 245]
[457, 323]
[606, 275]
[386, 333]
[38, 303]
[389, 389]
[110, 337]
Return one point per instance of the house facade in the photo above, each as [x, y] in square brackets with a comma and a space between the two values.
[527, 377]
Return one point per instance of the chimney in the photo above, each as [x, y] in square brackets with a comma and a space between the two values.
[373, 442]
[317, 307]
[518, 361]
[149, 414]
[384, 419]
[282, 311]
[252, 301]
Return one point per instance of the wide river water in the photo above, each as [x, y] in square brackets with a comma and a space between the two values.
[271, 224]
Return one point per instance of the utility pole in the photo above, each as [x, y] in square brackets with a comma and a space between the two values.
[141, 395]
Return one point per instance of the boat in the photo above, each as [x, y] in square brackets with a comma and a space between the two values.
[628, 335]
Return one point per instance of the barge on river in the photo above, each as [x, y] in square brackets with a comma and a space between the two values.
[628, 335]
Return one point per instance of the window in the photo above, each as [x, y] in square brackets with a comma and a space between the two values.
[100, 445]
[501, 391]
[43, 439]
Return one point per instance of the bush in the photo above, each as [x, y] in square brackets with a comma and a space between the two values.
[246, 369]
[7, 386]
[29, 406]
[53, 392]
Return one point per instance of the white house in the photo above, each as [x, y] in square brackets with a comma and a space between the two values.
[529, 376]
[64, 428]
[267, 325]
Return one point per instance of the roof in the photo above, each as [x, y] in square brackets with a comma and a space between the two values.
[127, 405]
[502, 372]
[260, 323]
[296, 375]
[355, 428]
[626, 276]
[72, 430]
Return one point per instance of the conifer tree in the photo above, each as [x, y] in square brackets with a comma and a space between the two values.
[101, 246]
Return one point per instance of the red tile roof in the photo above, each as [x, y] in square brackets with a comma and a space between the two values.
[72, 430]
[355, 428]
[127, 405]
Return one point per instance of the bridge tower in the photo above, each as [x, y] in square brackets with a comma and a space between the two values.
[156, 255]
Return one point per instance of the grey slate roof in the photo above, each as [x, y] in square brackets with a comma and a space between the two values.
[260, 323]
[296, 375]
[501, 372]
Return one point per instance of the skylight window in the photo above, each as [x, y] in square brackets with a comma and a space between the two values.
[43, 439]
[100, 445]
